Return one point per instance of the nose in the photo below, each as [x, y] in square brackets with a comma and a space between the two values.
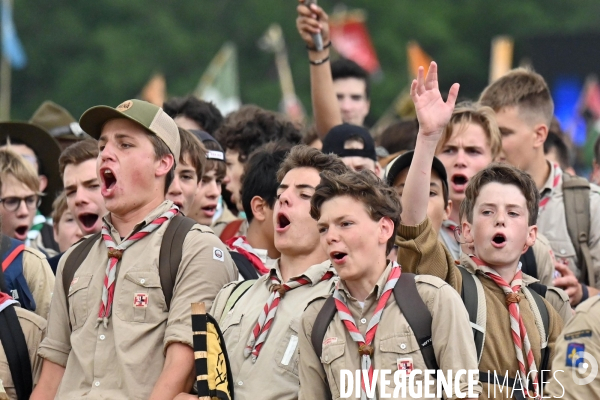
[285, 198]
[175, 188]
[107, 152]
[79, 197]
[214, 190]
[500, 219]
[331, 236]
[22, 211]
[460, 161]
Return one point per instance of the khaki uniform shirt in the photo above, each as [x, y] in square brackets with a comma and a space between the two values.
[274, 375]
[552, 222]
[124, 360]
[581, 334]
[221, 222]
[40, 279]
[34, 329]
[420, 252]
[394, 339]
[544, 259]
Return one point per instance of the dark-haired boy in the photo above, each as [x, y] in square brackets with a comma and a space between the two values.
[500, 209]
[188, 172]
[524, 111]
[357, 218]
[191, 113]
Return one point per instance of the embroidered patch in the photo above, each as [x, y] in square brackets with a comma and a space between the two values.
[330, 340]
[405, 364]
[124, 106]
[140, 300]
[218, 254]
[574, 354]
[578, 334]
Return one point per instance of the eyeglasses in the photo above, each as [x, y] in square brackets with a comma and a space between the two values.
[12, 204]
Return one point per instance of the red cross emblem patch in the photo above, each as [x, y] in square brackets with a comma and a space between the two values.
[140, 300]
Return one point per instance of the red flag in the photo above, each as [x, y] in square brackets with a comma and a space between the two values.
[350, 37]
[416, 57]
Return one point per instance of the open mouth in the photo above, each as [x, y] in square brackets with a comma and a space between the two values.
[88, 219]
[282, 221]
[459, 179]
[109, 179]
[499, 239]
[337, 256]
[21, 231]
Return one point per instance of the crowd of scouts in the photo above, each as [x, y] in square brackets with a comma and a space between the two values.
[456, 242]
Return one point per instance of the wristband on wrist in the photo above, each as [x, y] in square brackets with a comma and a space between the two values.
[585, 293]
[319, 62]
[328, 45]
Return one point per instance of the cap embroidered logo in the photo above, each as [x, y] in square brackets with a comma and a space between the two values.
[124, 106]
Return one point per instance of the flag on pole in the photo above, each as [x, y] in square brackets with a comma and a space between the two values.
[220, 82]
[416, 57]
[502, 57]
[350, 37]
[12, 49]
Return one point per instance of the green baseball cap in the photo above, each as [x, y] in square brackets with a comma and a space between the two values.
[146, 115]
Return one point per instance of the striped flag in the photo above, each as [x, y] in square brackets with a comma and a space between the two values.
[11, 45]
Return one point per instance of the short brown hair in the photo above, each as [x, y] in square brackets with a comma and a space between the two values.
[506, 175]
[303, 156]
[14, 164]
[194, 148]
[59, 206]
[471, 113]
[160, 150]
[77, 153]
[522, 88]
[379, 199]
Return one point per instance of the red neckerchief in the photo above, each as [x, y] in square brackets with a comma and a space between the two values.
[6, 300]
[241, 245]
[546, 198]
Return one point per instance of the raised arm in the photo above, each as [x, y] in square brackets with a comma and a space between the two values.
[433, 115]
[326, 110]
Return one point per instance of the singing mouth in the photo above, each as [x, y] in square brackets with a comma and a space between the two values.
[88, 219]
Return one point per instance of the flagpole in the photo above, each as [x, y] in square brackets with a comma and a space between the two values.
[5, 78]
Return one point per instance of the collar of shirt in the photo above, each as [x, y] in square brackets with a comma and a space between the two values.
[162, 208]
[374, 294]
[314, 273]
[473, 268]
[550, 185]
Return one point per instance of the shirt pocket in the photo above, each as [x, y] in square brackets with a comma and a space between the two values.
[286, 354]
[232, 327]
[398, 348]
[333, 362]
[78, 301]
[141, 298]
[563, 249]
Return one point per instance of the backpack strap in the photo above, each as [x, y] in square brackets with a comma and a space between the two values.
[576, 192]
[231, 229]
[536, 292]
[5, 245]
[171, 250]
[238, 291]
[17, 355]
[11, 256]
[474, 300]
[529, 263]
[77, 256]
[417, 314]
[324, 318]
[244, 266]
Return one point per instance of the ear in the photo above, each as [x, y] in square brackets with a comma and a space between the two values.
[378, 170]
[541, 133]
[164, 165]
[531, 237]
[258, 204]
[447, 210]
[43, 183]
[467, 232]
[386, 230]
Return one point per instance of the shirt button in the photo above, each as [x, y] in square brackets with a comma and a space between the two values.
[142, 281]
[326, 358]
[402, 346]
[240, 383]
[363, 321]
[102, 337]
[96, 383]
[562, 251]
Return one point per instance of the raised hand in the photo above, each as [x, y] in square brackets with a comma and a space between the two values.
[312, 19]
[432, 112]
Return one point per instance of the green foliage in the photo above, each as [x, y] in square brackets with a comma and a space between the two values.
[84, 53]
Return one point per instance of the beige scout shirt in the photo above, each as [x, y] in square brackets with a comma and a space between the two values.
[40, 279]
[125, 360]
[394, 340]
[582, 333]
[544, 259]
[552, 222]
[420, 252]
[274, 375]
[34, 329]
